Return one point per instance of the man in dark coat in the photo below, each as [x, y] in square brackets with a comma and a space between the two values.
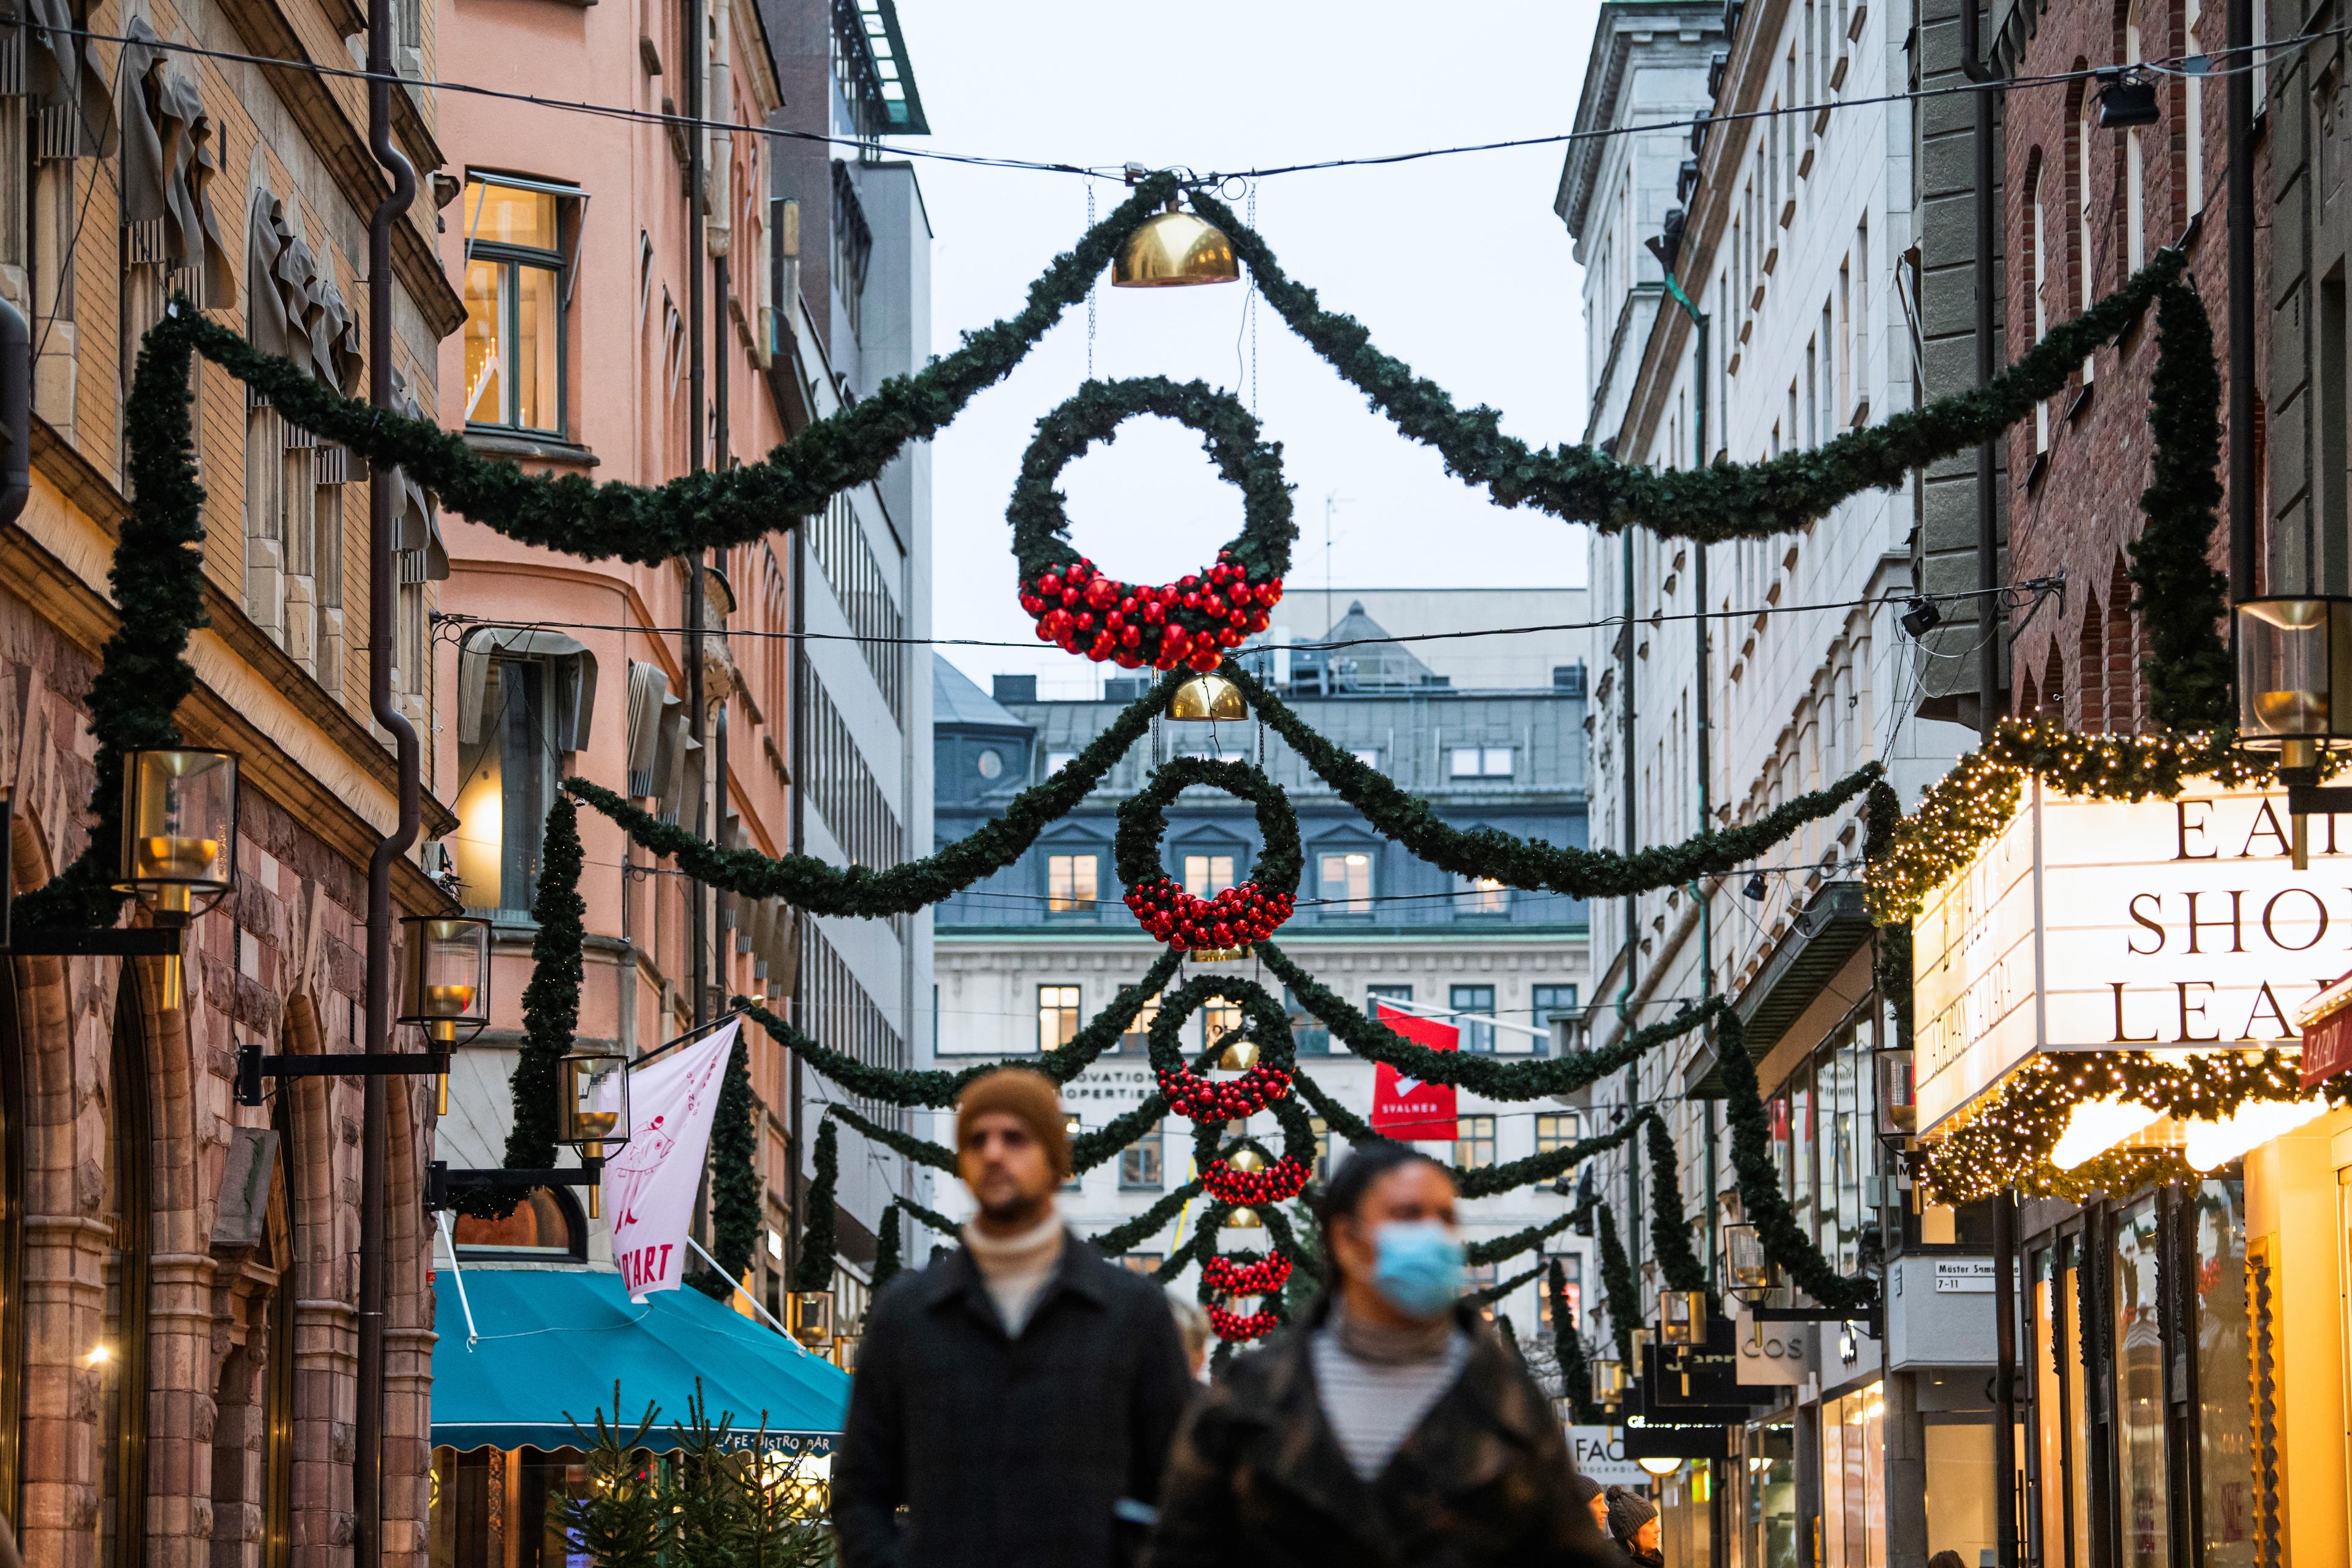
[1017, 1398]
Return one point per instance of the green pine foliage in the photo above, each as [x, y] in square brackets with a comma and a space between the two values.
[812, 1269]
[737, 1195]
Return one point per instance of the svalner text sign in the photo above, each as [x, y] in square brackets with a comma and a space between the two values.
[2109, 925]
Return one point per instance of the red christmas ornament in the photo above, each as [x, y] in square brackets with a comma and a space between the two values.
[1233, 1328]
[1279, 1182]
[1229, 1276]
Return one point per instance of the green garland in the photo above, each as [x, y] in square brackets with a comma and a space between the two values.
[1229, 434]
[1303, 1258]
[1476, 1072]
[1495, 1250]
[1568, 1346]
[1125, 1236]
[1766, 1207]
[812, 1268]
[1678, 1263]
[1617, 1287]
[2180, 594]
[1264, 1020]
[1723, 500]
[157, 579]
[931, 1217]
[889, 1250]
[1532, 863]
[1483, 1180]
[938, 1087]
[1143, 821]
[1502, 1287]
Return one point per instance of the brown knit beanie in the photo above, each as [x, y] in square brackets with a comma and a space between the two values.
[1028, 1095]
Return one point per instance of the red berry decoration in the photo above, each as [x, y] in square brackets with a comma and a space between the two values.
[1240, 915]
[1233, 1328]
[1230, 1274]
[1186, 621]
[1265, 1022]
[1210, 1099]
[1275, 1183]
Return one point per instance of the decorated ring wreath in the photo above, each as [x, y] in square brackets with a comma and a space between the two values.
[1207, 1099]
[1245, 1273]
[1277, 1179]
[1194, 619]
[1243, 913]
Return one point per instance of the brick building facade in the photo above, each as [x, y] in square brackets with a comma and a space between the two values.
[2082, 207]
[178, 1274]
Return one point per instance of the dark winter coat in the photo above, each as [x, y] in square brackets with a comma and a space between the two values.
[1258, 1479]
[1007, 1453]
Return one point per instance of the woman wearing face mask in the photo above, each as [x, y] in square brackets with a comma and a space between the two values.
[1391, 1426]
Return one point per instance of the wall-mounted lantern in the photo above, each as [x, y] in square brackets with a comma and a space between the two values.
[447, 992]
[178, 853]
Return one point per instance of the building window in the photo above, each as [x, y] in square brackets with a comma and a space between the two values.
[1141, 1168]
[1070, 884]
[990, 762]
[1473, 1143]
[1136, 1040]
[1555, 1005]
[1322, 1148]
[1556, 1130]
[853, 248]
[2135, 164]
[2085, 269]
[1056, 761]
[1206, 876]
[1571, 1274]
[1376, 994]
[2193, 121]
[516, 278]
[1479, 761]
[2036, 274]
[1368, 756]
[1057, 1015]
[1219, 1017]
[1309, 1037]
[1481, 896]
[1346, 883]
[121, 1372]
[1479, 1001]
[540, 1227]
[524, 699]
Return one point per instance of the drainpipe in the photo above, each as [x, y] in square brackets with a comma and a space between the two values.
[2239, 101]
[1633, 901]
[383, 504]
[698, 913]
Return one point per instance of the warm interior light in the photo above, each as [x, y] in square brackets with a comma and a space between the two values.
[2096, 1126]
[99, 1355]
[1658, 1466]
[2256, 1123]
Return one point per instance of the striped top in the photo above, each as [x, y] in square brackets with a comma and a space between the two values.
[1373, 1405]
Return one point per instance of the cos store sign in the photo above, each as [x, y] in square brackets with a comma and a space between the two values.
[2091, 925]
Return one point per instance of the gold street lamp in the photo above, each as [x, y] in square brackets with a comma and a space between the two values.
[448, 983]
[594, 1107]
[179, 839]
[1682, 1317]
[1750, 1271]
[2294, 692]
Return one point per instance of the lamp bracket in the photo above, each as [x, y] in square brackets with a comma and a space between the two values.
[1798, 1315]
[441, 1181]
[252, 1067]
[2318, 800]
[109, 942]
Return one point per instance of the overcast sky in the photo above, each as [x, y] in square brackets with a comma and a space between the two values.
[1457, 265]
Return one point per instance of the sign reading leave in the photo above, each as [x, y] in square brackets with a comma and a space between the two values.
[2158, 925]
[1405, 1107]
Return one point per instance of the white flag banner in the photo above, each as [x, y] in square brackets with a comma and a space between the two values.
[650, 1182]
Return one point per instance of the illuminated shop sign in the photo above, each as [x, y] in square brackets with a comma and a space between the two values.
[2090, 925]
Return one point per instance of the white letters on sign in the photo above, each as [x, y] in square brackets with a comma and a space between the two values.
[2114, 925]
[1772, 1355]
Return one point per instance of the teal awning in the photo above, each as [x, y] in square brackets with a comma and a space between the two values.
[547, 1345]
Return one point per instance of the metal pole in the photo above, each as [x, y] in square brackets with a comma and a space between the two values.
[698, 918]
[2004, 1372]
[2239, 103]
[1984, 101]
[1633, 901]
[383, 506]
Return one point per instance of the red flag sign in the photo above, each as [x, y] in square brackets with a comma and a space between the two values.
[1405, 1107]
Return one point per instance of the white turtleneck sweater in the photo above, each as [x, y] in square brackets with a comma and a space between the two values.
[1014, 1269]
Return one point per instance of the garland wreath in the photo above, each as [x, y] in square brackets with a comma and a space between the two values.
[1248, 912]
[1264, 1021]
[1192, 620]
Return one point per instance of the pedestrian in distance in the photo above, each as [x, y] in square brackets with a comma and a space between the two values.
[1633, 1521]
[1016, 1398]
[1595, 1499]
[1192, 1328]
[1390, 1427]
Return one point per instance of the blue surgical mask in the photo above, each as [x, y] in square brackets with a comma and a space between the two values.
[1418, 1265]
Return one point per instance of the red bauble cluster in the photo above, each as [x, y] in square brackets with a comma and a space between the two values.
[1233, 1328]
[1279, 1182]
[1205, 1099]
[1263, 1278]
[1192, 621]
[1242, 914]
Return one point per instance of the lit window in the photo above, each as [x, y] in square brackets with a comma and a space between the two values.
[1479, 761]
[515, 274]
[1571, 1269]
[1348, 883]
[1473, 1143]
[1322, 1148]
[1206, 876]
[1556, 1130]
[1465, 762]
[1136, 1041]
[1057, 1015]
[1070, 884]
[1481, 896]
[1056, 761]
[1139, 1163]
[1219, 1017]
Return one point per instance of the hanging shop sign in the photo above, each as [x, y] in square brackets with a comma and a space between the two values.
[1774, 1356]
[1408, 1108]
[2088, 925]
[1599, 1455]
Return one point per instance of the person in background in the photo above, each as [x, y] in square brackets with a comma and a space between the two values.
[1634, 1520]
[1947, 1558]
[1014, 1401]
[1192, 1328]
[1390, 1426]
[1594, 1497]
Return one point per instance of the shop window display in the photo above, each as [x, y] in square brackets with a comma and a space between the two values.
[2224, 1375]
[1853, 1479]
[1768, 1497]
[2143, 1524]
[503, 1508]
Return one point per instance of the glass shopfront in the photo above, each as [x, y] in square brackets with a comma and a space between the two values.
[1764, 1502]
[1853, 1479]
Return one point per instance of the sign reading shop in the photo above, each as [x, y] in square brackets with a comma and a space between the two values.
[2109, 925]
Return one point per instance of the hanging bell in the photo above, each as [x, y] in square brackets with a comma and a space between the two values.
[1209, 698]
[1173, 248]
[1239, 1056]
[1249, 1162]
[1244, 1218]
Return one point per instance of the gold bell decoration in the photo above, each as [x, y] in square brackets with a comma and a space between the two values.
[1244, 1218]
[1209, 698]
[1240, 1055]
[1249, 1162]
[1173, 249]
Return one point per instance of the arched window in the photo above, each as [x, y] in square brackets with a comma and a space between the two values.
[2123, 655]
[119, 1357]
[2134, 163]
[2091, 659]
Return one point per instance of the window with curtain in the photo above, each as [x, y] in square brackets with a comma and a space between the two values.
[516, 279]
[1345, 883]
[1070, 884]
[1057, 1015]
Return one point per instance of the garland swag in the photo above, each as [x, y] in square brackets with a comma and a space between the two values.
[1618, 1289]
[737, 1202]
[889, 1258]
[1669, 1240]
[812, 1269]
[1568, 1346]
[1766, 1207]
